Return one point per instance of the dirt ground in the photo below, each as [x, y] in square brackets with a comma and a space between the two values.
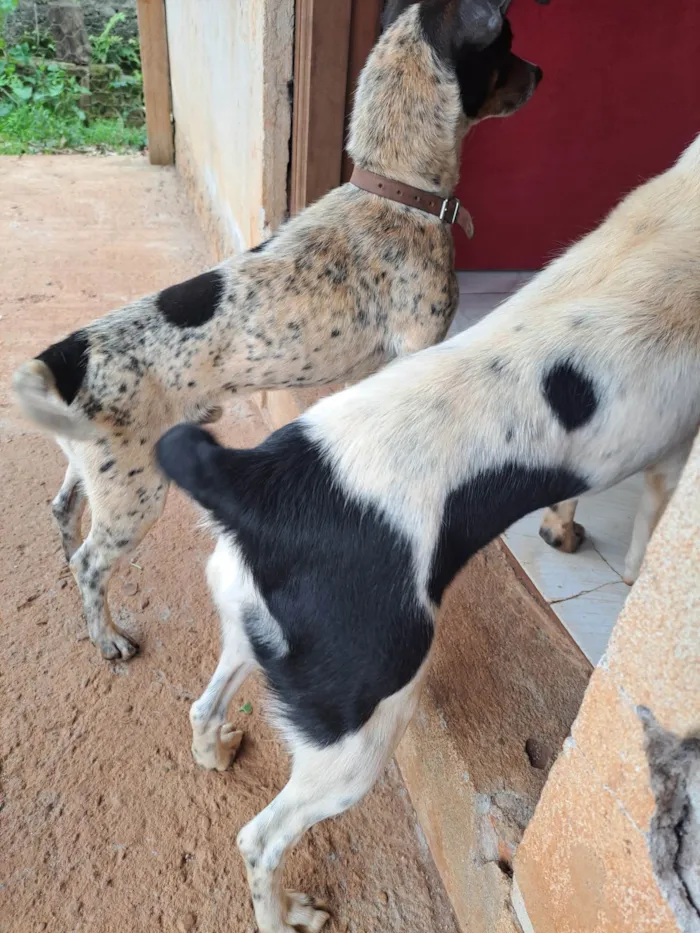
[106, 824]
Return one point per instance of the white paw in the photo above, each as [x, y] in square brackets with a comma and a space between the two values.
[305, 913]
[216, 749]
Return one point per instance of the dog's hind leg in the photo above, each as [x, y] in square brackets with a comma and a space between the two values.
[123, 510]
[324, 782]
[214, 741]
[559, 529]
[67, 508]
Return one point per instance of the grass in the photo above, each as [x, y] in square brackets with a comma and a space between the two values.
[33, 128]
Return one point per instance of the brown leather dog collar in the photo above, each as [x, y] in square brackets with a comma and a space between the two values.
[449, 210]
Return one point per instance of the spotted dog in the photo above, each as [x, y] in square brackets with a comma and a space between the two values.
[338, 536]
[349, 284]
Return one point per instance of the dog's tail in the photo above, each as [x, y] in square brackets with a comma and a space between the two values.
[45, 387]
[195, 461]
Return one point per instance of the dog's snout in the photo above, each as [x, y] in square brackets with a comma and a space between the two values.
[537, 73]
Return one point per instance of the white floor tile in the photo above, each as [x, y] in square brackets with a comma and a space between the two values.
[472, 307]
[476, 283]
[585, 590]
[556, 575]
[608, 518]
[589, 618]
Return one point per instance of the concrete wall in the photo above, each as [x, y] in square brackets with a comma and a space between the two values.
[614, 845]
[231, 63]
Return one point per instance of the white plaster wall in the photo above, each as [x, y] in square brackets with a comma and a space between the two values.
[230, 64]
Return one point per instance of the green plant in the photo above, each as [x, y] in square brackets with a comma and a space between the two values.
[6, 8]
[41, 100]
[32, 128]
[110, 48]
[24, 79]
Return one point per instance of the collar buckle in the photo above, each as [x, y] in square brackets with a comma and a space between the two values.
[446, 206]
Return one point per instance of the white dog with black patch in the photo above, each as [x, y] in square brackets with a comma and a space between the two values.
[340, 533]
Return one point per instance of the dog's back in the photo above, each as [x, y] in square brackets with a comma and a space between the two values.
[593, 368]
[645, 258]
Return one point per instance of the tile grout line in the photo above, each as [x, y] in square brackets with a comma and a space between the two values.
[593, 589]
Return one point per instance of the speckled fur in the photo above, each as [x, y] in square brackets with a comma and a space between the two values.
[349, 284]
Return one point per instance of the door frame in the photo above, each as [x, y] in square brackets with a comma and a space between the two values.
[331, 44]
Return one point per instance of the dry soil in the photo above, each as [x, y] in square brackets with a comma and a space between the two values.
[106, 824]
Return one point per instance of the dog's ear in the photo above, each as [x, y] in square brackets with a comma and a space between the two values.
[393, 9]
[454, 25]
[189, 455]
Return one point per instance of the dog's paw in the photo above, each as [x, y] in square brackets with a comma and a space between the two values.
[216, 750]
[567, 538]
[115, 645]
[305, 913]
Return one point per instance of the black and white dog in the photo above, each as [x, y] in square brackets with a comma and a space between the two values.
[340, 533]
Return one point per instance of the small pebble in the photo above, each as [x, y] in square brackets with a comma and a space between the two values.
[131, 588]
[145, 602]
[383, 897]
[63, 584]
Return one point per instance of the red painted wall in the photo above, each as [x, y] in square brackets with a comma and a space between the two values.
[619, 101]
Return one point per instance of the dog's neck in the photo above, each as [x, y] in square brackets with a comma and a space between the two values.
[407, 122]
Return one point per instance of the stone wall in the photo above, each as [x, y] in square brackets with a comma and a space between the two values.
[96, 14]
[614, 845]
[230, 66]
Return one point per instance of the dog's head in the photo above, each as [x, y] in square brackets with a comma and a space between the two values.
[439, 67]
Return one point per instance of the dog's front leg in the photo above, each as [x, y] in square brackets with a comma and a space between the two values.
[659, 483]
[559, 529]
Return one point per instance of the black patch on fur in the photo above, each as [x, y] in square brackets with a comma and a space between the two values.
[68, 362]
[261, 246]
[486, 506]
[194, 302]
[476, 70]
[393, 9]
[107, 465]
[447, 27]
[337, 578]
[570, 394]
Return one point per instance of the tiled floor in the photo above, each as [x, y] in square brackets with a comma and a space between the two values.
[585, 590]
